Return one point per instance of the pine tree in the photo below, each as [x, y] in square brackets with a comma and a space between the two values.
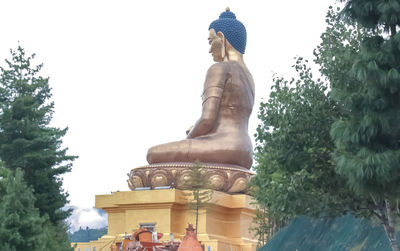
[26, 139]
[367, 136]
[21, 227]
[374, 14]
[55, 237]
[200, 190]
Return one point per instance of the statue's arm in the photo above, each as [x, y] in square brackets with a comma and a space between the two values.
[212, 93]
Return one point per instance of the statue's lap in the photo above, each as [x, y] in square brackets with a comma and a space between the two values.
[207, 150]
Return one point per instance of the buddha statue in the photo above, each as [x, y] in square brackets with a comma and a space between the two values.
[221, 133]
[219, 139]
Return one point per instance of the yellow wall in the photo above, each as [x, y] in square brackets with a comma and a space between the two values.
[224, 225]
[179, 219]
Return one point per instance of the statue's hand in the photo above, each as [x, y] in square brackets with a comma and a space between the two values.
[188, 130]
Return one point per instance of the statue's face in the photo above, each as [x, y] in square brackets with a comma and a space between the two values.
[217, 47]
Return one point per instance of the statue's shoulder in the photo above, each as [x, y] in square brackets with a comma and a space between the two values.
[219, 67]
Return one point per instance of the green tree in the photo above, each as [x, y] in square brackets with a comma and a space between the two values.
[294, 149]
[296, 174]
[367, 135]
[264, 226]
[374, 14]
[21, 227]
[199, 189]
[360, 65]
[55, 237]
[26, 139]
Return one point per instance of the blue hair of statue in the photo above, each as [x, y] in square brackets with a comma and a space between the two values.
[233, 29]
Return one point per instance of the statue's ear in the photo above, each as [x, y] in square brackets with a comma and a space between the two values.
[222, 37]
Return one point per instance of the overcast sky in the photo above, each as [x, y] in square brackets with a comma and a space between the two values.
[127, 75]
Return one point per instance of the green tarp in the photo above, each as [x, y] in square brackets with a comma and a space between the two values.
[340, 234]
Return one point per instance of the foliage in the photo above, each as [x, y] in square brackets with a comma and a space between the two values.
[341, 42]
[374, 14]
[88, 234]
[21, 227]
[32, 159]
[296, 174]
[294, 145]
[56, 237]
[367, 136]
[356, 169]
[199, 189]
[264, 226]
[26, 139]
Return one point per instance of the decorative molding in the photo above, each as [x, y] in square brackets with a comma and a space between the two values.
[224, 177]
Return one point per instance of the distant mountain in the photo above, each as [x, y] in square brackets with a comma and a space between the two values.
[340, 234]
[88, 234]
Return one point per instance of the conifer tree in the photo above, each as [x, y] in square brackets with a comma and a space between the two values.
[21, 227]
[26, 139]
[367, 136]
[200, 190]
[56, 237]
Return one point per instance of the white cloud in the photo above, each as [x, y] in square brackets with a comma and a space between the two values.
[87, 217]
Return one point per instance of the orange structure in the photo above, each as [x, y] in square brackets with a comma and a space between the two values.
[190, 242]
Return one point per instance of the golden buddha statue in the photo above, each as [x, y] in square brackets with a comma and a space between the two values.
[219, 140]
[221, 133]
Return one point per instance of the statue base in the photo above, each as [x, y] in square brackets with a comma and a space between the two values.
[223, 226]
[223, 177]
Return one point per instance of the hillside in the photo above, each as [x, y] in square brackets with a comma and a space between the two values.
[88, 234]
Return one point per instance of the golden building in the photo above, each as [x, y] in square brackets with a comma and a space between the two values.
[222, 226]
